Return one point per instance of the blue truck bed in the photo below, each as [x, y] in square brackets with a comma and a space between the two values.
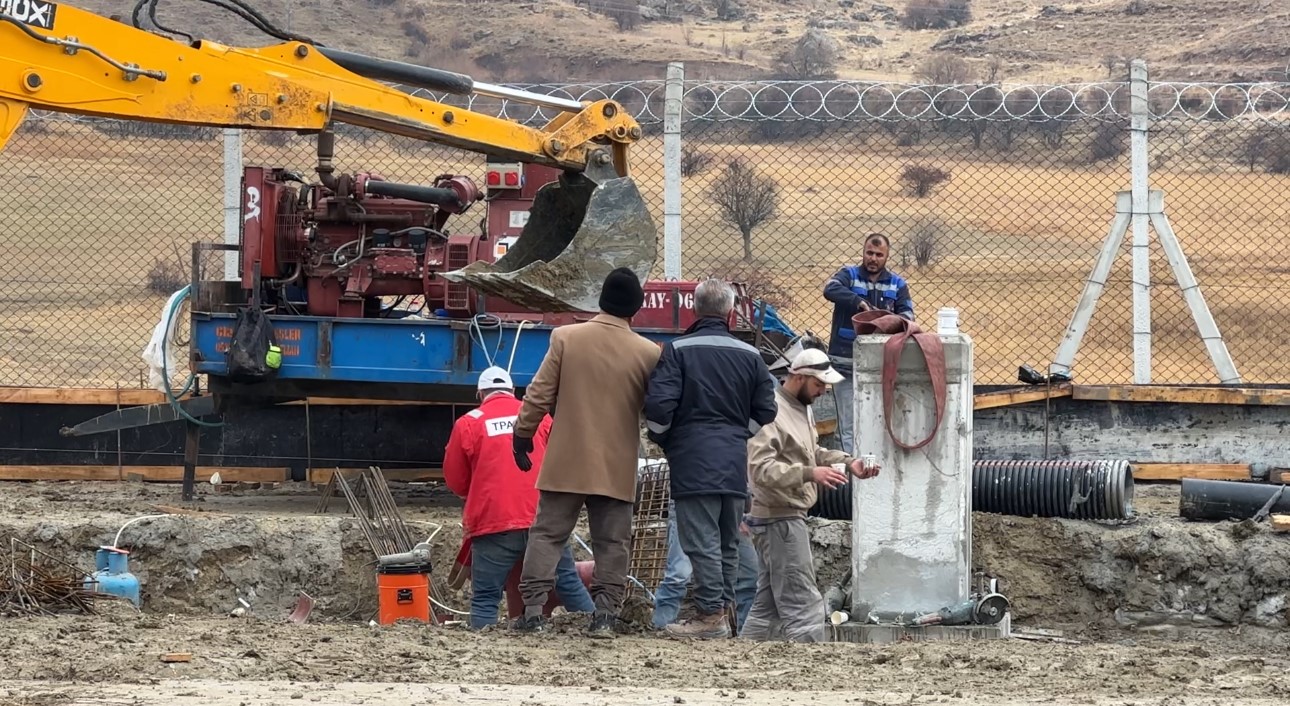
[410, 351]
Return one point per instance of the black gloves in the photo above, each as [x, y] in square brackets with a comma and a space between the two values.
[522, 447]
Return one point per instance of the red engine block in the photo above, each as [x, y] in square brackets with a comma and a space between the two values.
[361, 240]
[358, 238]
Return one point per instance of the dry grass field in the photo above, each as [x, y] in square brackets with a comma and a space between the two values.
[88, 216]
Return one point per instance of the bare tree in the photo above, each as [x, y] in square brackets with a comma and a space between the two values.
[994, 70]
[1253, 147]
[1109, 62]
[984, 102]
[626, 14]
[727, 10]
[694, 161]
[945, 70]
[746, 199]
[1108, 141]
[925, 243]
[813, 56]
[936, 14]
[920, 179]
[1137, 7]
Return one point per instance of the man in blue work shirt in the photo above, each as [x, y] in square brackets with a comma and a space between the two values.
[854, 289]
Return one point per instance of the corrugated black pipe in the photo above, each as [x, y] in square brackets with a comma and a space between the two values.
[1228, 500]
[1085, 490]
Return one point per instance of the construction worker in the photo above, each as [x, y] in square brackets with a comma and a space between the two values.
[594, 374]
[501, 500]
[709, 394]
[852, 290]
[785, 464]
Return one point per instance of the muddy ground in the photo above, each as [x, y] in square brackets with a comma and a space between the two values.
[1156, 611]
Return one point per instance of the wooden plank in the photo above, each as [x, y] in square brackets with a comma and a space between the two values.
[1279, 523]
[322, 476]
[1178, 471]
[1020, 395]
[154, 474]
[170, 657]
[63, 472]
[76, 395]
[137, 397]
[1183, 395]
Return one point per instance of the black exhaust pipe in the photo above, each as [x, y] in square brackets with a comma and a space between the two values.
[412, 192]
[399, 72]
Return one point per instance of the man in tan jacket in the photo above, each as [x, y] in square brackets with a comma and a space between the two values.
[593, 382]
[785, 464]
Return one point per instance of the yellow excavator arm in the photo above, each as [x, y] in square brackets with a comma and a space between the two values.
[70, 60]
[58, 57]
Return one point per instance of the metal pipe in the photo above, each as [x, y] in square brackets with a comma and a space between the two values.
[1086, 490]
[438, 79]
[413, 192]
[1229, 500]
[515, 94]
[326, 155]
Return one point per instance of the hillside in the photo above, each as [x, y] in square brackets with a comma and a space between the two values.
[559, 40]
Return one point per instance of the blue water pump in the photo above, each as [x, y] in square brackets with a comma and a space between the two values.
[113, 575]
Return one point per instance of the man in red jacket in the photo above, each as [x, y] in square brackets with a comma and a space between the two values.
[501, 500]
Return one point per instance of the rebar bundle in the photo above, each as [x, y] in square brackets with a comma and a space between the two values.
[379, 517]
[35, 583]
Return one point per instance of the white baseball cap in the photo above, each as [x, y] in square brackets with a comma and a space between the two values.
[494, 378]
[815, 362]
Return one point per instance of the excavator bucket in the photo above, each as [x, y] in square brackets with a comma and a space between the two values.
[580, 228]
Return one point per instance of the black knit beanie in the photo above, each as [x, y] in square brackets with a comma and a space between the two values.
[621, 295]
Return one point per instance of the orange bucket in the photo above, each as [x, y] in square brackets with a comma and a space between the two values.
[403, 593]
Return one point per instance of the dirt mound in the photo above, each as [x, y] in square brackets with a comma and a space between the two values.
[1050, 569]
[1158, 571]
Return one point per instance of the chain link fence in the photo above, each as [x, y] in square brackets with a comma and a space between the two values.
[997, 200]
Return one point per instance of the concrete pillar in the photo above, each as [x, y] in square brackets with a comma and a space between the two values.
[912, 525]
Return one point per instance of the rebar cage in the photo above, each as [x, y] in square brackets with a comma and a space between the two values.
[650, 526]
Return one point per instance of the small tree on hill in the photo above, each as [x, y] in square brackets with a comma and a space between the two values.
[727, 10]
[746, 199]
[625, 13]
[945, 70]
[936, 14]
[813, 56]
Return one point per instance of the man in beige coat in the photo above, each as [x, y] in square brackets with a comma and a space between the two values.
[593, 382]
[785, 464]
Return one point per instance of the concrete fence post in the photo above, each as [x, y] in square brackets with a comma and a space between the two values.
[232, 199]
[673, 105]
[1140, 122]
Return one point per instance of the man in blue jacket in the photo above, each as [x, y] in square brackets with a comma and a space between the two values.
[708, 395]
[853, 290]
